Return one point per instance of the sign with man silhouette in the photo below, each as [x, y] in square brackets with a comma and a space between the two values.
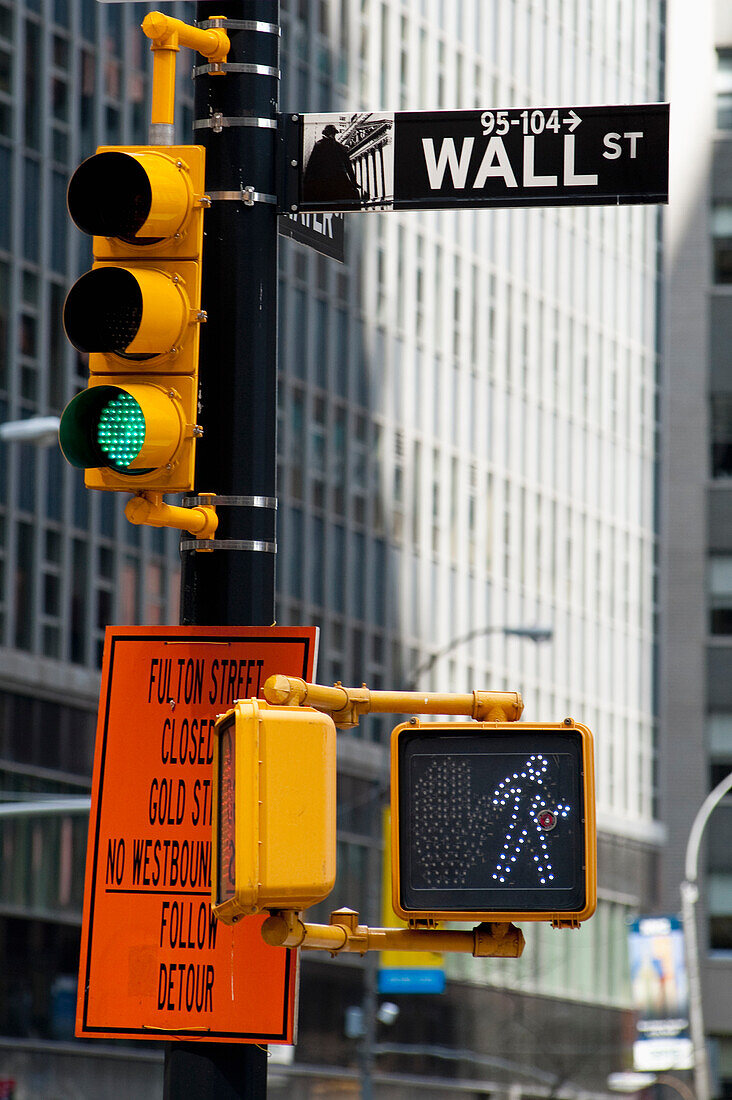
[540, 156]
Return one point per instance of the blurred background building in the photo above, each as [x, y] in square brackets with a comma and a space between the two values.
[468, 443]
[695, 600]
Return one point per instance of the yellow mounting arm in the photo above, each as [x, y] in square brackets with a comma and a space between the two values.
[285, 928]
[346, 705]
[344, 933]
[150, 509]
[167, 36]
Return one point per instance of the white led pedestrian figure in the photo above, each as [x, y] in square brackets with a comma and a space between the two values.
[452, 824]
[521, 801]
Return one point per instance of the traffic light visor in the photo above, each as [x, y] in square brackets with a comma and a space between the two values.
[128, 429]
[132, 312]
[494, 821]
[140, 198]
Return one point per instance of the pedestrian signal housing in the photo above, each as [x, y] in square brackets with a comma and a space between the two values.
[274, 809]
[137, 314]
[493, 822]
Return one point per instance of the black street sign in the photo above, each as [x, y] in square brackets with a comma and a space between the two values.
[544, 156]
[322, 230]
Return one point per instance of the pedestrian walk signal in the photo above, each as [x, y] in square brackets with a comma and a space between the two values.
[493, 821]
[137, 314]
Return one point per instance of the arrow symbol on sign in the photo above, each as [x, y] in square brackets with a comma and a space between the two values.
[573, 120]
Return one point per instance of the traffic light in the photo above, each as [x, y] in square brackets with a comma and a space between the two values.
[493, 821]
[274, 809]
[137, 313]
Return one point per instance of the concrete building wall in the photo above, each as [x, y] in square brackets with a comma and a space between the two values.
[684, 435]
[696, 521]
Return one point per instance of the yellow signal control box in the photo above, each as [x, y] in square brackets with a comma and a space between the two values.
[274, 809]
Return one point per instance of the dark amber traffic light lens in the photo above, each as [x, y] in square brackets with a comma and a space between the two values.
[103, 310]
[137, 312]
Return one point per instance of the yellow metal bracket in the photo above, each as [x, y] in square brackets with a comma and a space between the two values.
[284, 928]
[149, 508]
[167, 35]
[347, 705]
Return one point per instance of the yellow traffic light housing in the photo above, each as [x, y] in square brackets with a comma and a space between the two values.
[137, 314]
[274, 809]
[493, 821]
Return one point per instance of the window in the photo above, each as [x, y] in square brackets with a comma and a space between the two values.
[719, 741]
[720, 878]
[719, 859]
[721, 435]
[724, 89]
[722, 242]
[719, 769]
[720, 594]
[720, 932]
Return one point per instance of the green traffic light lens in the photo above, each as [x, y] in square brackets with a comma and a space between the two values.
[121, 430]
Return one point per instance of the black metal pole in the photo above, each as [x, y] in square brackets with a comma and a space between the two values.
[235, 119]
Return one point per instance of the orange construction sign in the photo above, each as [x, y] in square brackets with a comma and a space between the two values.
[155, 963]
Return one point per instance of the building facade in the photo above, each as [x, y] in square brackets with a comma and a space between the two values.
[696, 530]
[468, 442]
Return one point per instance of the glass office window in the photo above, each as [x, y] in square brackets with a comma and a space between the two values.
[722, 242]
[720, 594]
[719, 744]
[724, 89]
[721, 435]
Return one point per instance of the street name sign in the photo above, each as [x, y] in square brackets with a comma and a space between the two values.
[155, 962]
[543, 156]
[322, 230]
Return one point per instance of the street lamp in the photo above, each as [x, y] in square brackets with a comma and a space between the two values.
[532, 633]
[42, 430]
[689, 898]
[51, 807]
